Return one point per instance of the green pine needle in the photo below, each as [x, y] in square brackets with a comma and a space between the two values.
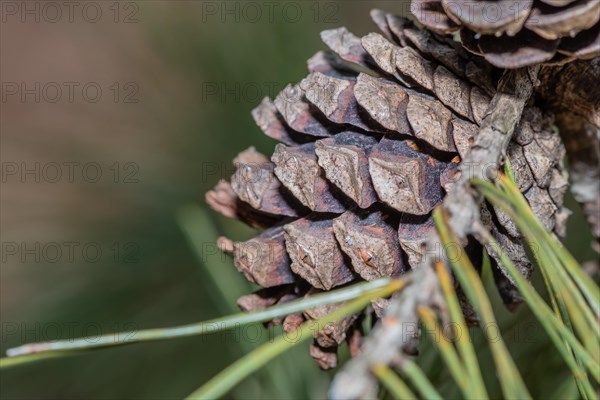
[574, 296]
[39, 351]
[464, 343]
[510, 380]
[224, 381]
[419, 380]
[456, 368]
[392, 382]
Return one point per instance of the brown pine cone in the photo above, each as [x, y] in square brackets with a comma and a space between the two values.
[518, 33]
[370, 143]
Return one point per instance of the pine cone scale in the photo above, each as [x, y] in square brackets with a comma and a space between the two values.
[525, 48]
[489, 18]
[344, 158]
[385, 102]
[518, 33]
[569, 21]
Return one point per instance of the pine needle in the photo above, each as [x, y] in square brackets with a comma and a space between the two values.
[419, 380]
[567, 285]
[464, 343]
[447, 351]
[239, 370]
[38, 351]
[392, 382]
[510, 379]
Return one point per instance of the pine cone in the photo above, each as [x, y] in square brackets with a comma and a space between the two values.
[371, 142]
[518, 33]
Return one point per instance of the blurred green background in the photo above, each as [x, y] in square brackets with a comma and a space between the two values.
[187, 75]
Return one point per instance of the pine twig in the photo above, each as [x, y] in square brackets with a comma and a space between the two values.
[462, 205]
